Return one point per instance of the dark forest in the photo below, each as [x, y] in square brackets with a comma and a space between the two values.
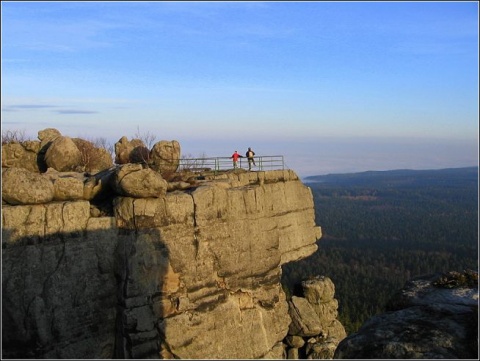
[382, 228]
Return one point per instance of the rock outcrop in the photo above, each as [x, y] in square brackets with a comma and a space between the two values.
[165, 156]
[55, 151]
[21, 155]
[191, 273]
[133, 180]
[115, 261]
[65, 154]
[432, 317]
[20, 186]
[314, 332]
[130, 151]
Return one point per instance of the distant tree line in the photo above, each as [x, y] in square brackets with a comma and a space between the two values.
[378, 236]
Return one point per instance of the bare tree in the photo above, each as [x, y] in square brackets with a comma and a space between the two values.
[201, 160]
[95, 153]
[189, 162]
[101, 142]
[147, 138]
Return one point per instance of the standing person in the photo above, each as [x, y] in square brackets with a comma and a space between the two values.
[235, 157]
[250, 153]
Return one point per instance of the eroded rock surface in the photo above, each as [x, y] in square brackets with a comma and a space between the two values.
[20, 186]
[314, 331]
[427, 319]
[188, 274]
[21, 155]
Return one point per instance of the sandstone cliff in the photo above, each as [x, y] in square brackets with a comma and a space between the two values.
[185, 274]
[103, 261]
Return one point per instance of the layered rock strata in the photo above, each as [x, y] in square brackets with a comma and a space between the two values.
[184, 274]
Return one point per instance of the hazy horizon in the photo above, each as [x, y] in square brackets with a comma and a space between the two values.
[335, 87]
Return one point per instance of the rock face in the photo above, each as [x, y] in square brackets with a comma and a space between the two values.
[177, 274]
[428, 319]
[21, 155]
[19, 186]
[315, 331]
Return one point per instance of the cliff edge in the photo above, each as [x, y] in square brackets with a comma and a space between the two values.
[180, 274]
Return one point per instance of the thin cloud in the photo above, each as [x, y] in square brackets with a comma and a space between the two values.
[75, 111]
[30, 106]
[19, 107]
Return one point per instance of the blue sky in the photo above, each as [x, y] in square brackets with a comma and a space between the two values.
[333, 86]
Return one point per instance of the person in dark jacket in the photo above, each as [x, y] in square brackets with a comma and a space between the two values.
[250, 153]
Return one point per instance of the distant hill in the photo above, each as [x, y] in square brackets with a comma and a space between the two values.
[449, 176]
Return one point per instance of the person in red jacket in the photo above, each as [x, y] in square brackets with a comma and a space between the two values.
[235, 157]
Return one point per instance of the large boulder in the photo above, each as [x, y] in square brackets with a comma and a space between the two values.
[425, 321]
[68, 186]
[20, 186]
[165, 157]
[319, 289]
[63, 155]
[129, 151]
[21, 155]
[46, 137]
[305, 321]
[132, 180]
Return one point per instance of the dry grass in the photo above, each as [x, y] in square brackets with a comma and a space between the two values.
[14, 136]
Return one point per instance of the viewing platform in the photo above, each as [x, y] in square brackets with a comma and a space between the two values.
[217, 164]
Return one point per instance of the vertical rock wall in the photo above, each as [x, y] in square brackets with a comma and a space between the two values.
[193, 274]
[58, 282]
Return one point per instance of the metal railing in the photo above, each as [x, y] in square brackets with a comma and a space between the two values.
[216, 164]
